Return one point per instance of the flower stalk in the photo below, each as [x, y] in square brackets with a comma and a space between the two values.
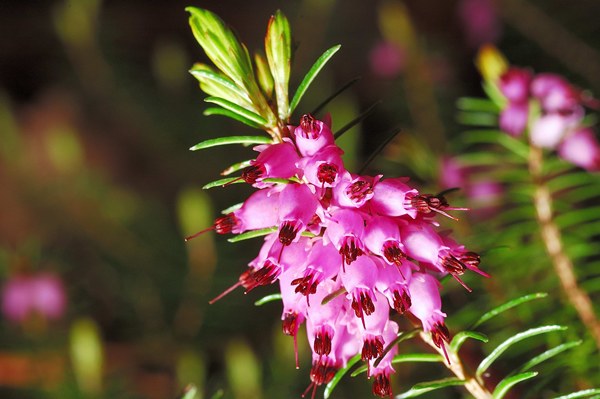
[471, 383]
[551, 236]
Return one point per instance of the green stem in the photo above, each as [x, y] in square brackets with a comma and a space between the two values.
[551, 236]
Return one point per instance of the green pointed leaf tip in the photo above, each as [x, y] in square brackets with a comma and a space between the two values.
[245, 140]
[190, 392]
[462, 336]
[508, 305]
[500, 349]
[506, 384]
[278, 48]
[580, 394]
[311, 75]
[267, 299]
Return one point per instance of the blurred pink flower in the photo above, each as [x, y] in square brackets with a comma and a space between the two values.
[387, 59]
[41, 294]
[582, 149]
[480, 22]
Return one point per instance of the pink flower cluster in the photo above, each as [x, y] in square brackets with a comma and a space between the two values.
[559, 122]
[347, 250]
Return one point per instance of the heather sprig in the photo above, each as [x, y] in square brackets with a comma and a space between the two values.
[348, 250]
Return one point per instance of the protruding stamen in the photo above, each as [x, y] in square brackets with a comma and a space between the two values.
[393, 253]
[440, 336]
[372, 348]
[358, 190]
[306, 285]
[362, 304]
[310, 128]
[327, 173]
[427, 203]
[253, 173]
[402, 301]
[382, 386]
[290, 327]
[322, 372]
[322, 342]
[287, 232]
[350, 249]
[222, 225]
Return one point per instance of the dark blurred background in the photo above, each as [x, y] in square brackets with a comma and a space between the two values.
[98, 188]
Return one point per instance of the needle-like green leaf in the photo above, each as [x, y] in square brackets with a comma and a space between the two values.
[245, 140]
[506, 384]
[500, 349]
[278, 48]
[310, 76]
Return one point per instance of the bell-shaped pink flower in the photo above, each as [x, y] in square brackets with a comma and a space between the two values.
[353, 191]
[345, 230]
[427, 305]
[323, 262]
[393, 283]
[325, 168]
[513, 118]
[582, 149]
[389, 198]
[274, 161]
[297, 206]
[383, 370]
[421, 242]
[312, 135]
[359, 279]
[514, 85]
[382, 237]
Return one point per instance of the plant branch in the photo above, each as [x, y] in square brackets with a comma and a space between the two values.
[472, 384]
[551, 236]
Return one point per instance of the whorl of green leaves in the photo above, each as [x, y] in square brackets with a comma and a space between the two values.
[255, 94]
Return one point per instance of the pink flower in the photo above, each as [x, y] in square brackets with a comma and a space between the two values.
[479, 20]
[41, 294]
[386, 59]
[312, 135]
[582, 149]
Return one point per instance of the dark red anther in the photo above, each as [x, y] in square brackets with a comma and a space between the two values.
[363, 305]
[350, 250]
[253, 173]
[372, 348]
[321, 373]
[264, 276]
[402, 301]
[327, 173]
[440, 336]
[310, 129]
[290, 324]
[393, 253]
[453, 265]
[306, 285]
[225, 224]
[359, 190]
[322, 343]
[470, 259]
[287, 233]
[382, 386]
